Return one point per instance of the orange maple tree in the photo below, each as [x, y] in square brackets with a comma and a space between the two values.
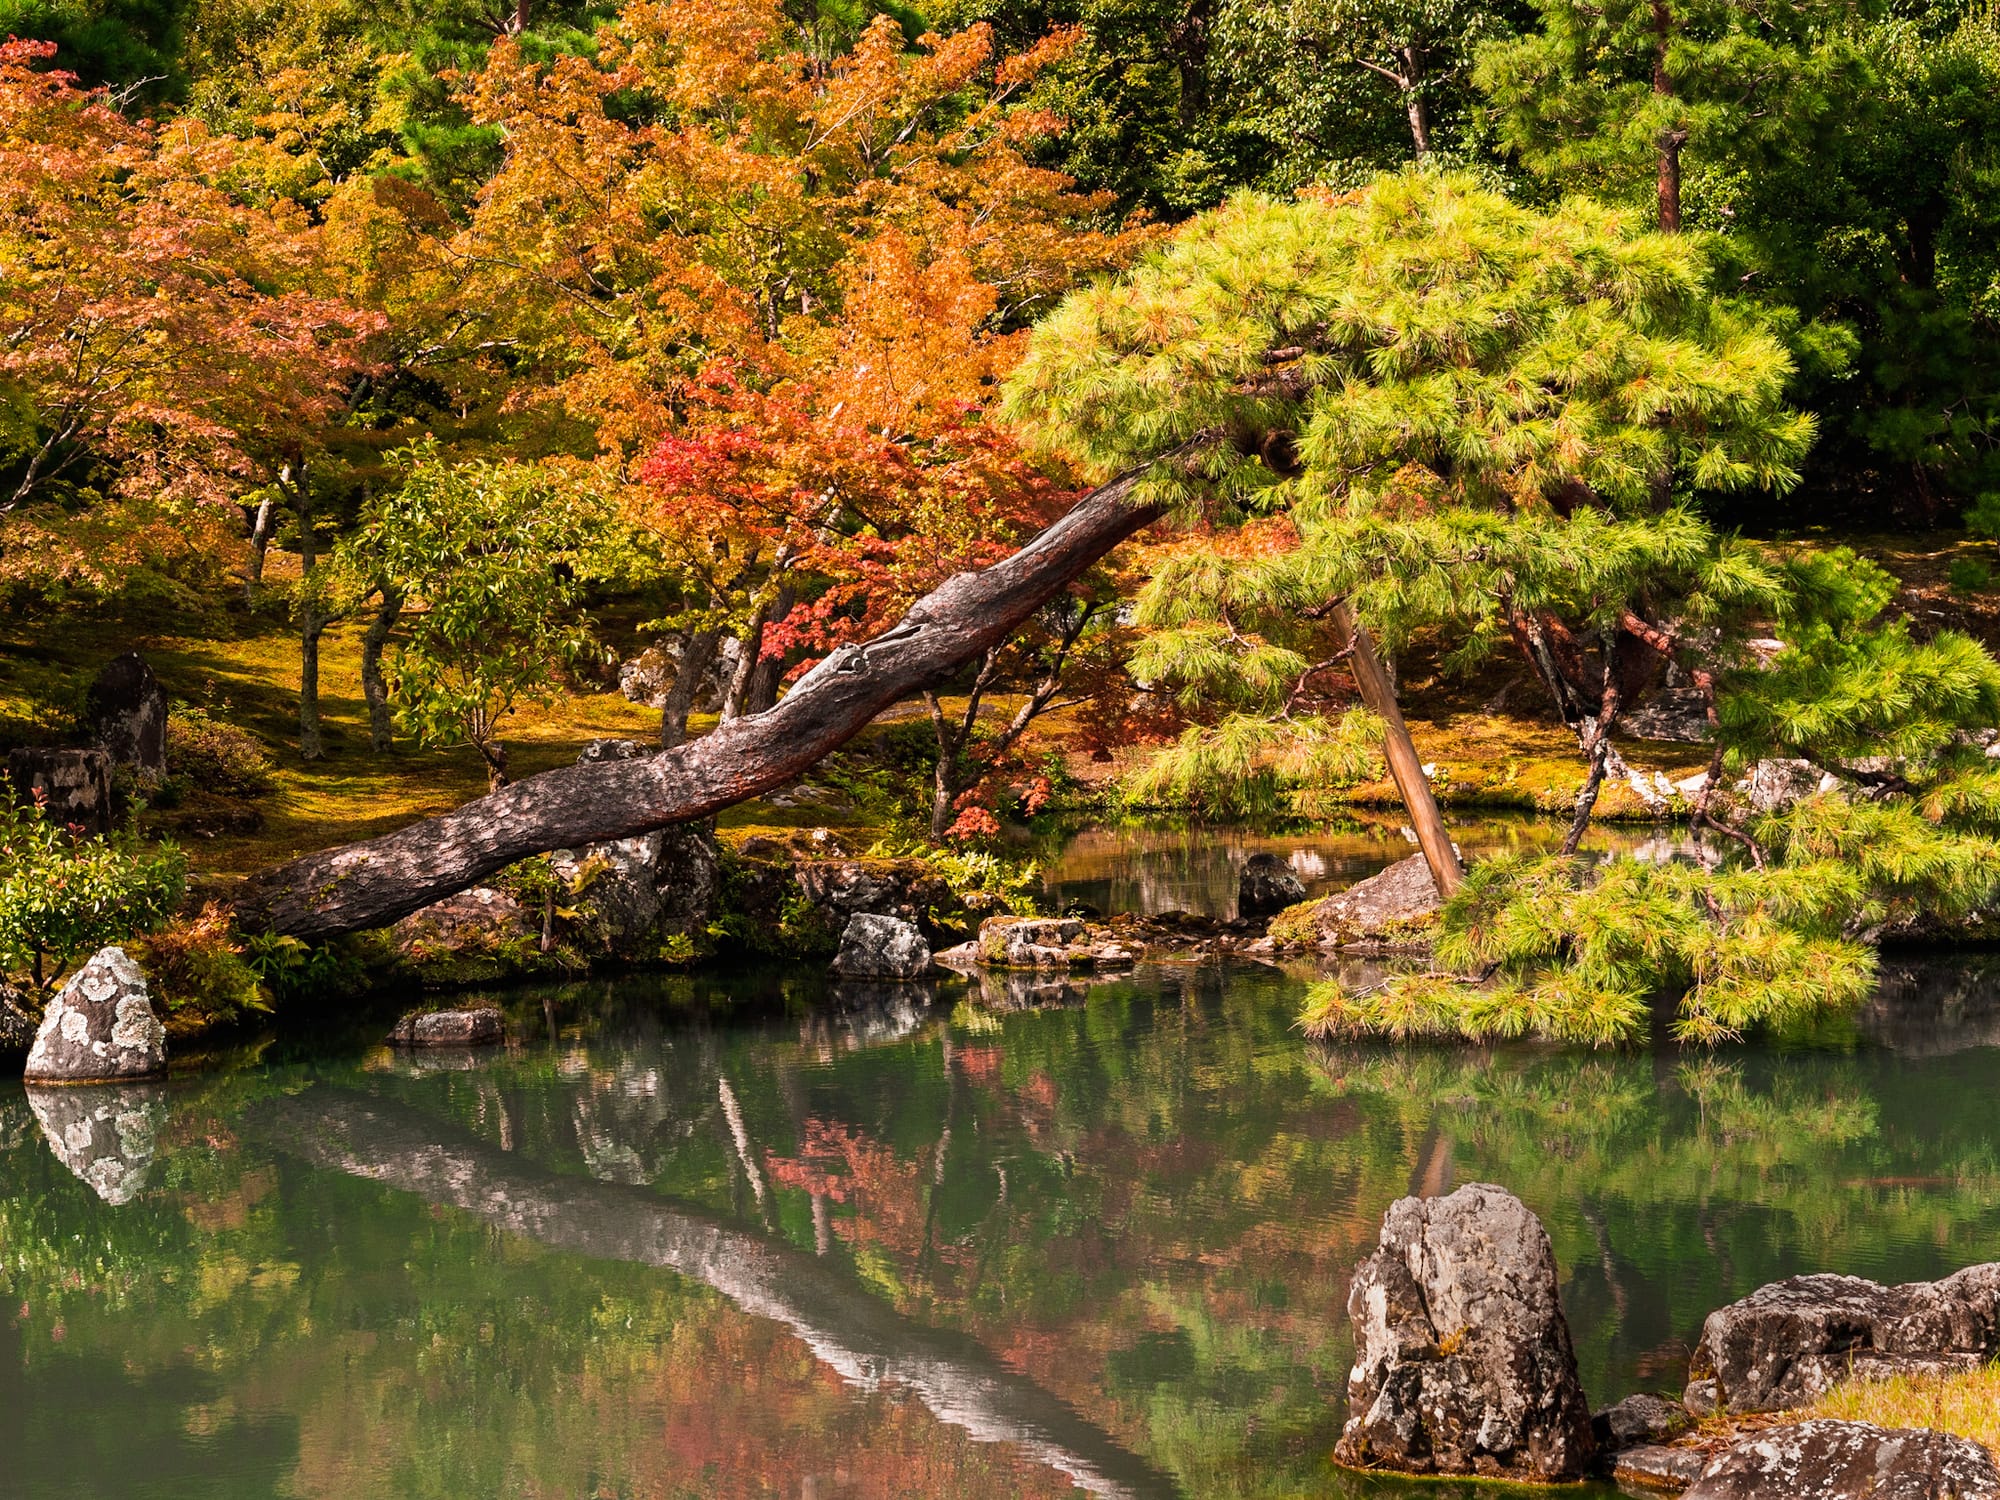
[165, 341]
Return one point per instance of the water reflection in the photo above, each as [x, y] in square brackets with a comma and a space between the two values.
[903, 1243]
[1158, 867]
[104, 1133]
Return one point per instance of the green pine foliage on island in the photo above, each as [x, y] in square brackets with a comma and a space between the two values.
[1493, 427]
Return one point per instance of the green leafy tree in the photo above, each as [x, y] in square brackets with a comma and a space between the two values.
[1470, 420]
[488, 562]
[64, 894]
[1624, 97]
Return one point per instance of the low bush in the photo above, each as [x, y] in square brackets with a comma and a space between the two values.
[198, 973]
[208, 755]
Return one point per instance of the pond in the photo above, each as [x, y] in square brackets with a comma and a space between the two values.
[1157, 867]
[749, 1235]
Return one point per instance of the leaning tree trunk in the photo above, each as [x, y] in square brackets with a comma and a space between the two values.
[374, 882]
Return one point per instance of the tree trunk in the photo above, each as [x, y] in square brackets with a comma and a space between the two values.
[1671, 141]
[311, 623]
[1413, 101]
[746, 664]
[767, 672]
[374, 686]
[1379, 693]
[697, 655]
[260, 543]
[374, 882]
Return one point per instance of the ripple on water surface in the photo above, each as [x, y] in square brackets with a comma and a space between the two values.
[746, 1235]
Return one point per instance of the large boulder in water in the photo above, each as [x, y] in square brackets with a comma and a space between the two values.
[1827, 1460]
[1463, 1361]
[482, 1027]
[100, 1027]
[127, 713]
[1389, 911]
[1267, 886]
[1789, 1343]
[874, 947]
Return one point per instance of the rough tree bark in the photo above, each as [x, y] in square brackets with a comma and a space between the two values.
[698, 650]
[372, 883]
[375, 686]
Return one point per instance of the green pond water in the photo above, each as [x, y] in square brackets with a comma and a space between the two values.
[753, 1234]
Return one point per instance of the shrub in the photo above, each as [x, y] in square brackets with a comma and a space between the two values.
[1970, 576]
[62, 895]
[209, 755]
[198, 974]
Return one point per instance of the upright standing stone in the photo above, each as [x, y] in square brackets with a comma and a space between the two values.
[1267, 886]
[73, 787]
[1463, 1362]
[874, 947]
[100, 1028]
[128, 714]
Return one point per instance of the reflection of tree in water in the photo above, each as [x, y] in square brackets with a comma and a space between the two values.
[1671, 1187]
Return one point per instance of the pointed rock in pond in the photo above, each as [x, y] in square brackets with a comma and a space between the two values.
[1267, 886]
[100, 1027]
[1463, 1361]
[1828, 1460]
[105, 1133]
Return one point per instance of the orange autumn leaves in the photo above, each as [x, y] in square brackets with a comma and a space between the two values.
[162, 335]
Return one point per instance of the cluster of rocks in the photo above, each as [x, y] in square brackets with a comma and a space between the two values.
[125, 721]
[1464, 1366]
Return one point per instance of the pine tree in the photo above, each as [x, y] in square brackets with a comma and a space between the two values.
[1468, 419]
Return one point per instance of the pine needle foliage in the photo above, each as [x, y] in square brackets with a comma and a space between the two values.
[1496, 426]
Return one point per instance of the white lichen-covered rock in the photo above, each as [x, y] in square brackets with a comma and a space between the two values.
[18, 1024]
[482, 1027]
[100, 1027]
[1828, 1460]
[1033, 943]
[1789, 1343]
[104, 1133]
[1463, 1361]
[1774, 785]
[876, 947]
[1388, 911]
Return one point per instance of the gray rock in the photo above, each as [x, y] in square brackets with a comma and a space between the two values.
[648, 677]
[1676, 714]
[100, 1027]
[71, 786]
[1644, 1418]
[1788, 1343]
[472, 920]
[638, 893]
[1031, 942]
[1387, 909]
[1267, 886]
[1653, 1467]
[875, 947]
[1827, 1460]
[127, 713]
[105, 1133]
[1774, 785]
[449, 1028]
[1463, 1360]
[19, 1021]
[612, 749]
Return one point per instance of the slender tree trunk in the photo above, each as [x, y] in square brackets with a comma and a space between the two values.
[372, 883]
[260, 543]
[374, 686]
[1671, 140]
[1413, 101]
[697, 655]
[746, 664]
[312, 621]
[1379, 693]
[769, 671]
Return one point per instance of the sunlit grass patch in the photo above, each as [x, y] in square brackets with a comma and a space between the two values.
[1967, 1404]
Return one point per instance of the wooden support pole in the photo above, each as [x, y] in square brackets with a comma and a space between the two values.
[1379, 693]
